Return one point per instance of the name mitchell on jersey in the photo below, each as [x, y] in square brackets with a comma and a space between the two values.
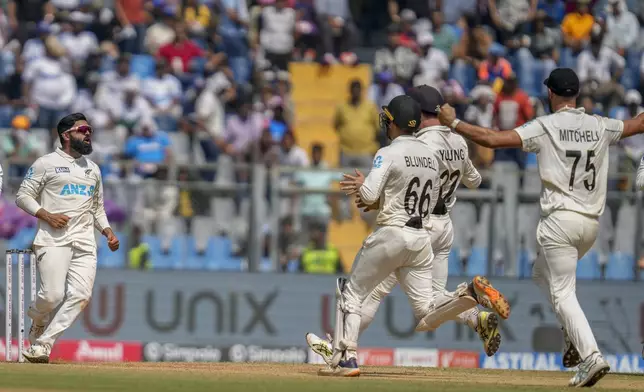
[573, 135]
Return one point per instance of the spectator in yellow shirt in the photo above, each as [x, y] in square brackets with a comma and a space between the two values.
[356, 122]
[577, 26]
[196, 16]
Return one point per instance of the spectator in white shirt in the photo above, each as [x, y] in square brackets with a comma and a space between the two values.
[633, 146]
[481, 112]
[113, 82]
[163, 91]
[34, 48]
[600, 69]
[338, 31]
[622, 27]
[396, 58]
[161, 32]
[127, 112]
[384, 89]
[50, 88]
[276, 29]
[76, 39]
[433, 63]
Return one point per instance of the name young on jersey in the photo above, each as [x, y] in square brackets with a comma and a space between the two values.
[572, 135]
[452, 155]
[420, 162]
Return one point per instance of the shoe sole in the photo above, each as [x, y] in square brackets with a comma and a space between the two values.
[571, 358]
[499, 304]
[36, 359]
[493, 345]
[339, 372]
[592, 379]
[320, 349]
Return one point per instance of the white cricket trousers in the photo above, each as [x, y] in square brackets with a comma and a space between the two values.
[563, 238]
[404, 251]
[442, 237]
[66, 281]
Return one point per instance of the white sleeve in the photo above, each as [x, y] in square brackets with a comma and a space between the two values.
[32, 185]
[1, 179]
[100, 216]
[642, 64]
[613, 129]
[471, 177]
[639, 179]
[531, 134]
[374, 183]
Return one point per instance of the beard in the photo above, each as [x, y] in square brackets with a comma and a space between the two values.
[80, 146]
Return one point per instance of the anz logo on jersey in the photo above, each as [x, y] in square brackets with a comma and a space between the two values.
[77, 189]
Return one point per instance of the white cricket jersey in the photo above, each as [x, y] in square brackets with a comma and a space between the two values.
[572, 155]
[405, 178]
[454, 160]
[63, 185]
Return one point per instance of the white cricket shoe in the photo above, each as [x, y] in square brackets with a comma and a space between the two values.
[320, 346]
[35, 332]
[36, 354]
[591, 370]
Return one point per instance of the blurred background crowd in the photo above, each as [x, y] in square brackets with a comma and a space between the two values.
[197, 90]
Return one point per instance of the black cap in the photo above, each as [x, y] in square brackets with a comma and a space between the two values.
[403, 111]
[563, 82]
[427, 97]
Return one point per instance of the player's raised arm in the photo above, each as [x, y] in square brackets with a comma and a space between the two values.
[483, 136]
[633, 126]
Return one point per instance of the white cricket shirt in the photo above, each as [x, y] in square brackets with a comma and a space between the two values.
[63, 185]
[453, 158]
[405, 178]
[572, 156]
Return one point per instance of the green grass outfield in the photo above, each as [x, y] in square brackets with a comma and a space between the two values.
[195, 377]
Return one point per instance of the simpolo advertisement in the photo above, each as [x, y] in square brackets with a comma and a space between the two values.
[170, 352]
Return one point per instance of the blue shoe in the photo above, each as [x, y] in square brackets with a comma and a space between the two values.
[346, 368]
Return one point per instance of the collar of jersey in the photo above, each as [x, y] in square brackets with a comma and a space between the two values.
[569, 109]
[403, 137]
[65, 155]
[432, 128]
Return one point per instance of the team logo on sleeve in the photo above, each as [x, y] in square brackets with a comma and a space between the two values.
[62, 170]
[88, 172]
[30, 173]
[377, 163]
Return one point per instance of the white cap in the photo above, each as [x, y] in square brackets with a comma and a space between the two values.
[425, 38]
[633, 96]
[481, 91]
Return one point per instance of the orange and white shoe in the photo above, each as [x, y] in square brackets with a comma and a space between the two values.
[487, 296]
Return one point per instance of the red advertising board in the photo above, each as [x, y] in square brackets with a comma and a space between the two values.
[97, 351]
[458, 359]
[376, 356]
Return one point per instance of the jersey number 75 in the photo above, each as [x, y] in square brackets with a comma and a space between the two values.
[590, 167]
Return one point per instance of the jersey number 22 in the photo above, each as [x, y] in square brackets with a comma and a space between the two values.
[590, 167]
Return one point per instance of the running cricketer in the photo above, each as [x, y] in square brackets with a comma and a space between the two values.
[64, 191]
[572, 153]
[455, 166]
[405, 183]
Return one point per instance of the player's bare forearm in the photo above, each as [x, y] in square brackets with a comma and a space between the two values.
[633, 126]
[107, 231]
[488, 137]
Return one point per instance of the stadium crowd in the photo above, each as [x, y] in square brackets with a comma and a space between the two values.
[158, 78]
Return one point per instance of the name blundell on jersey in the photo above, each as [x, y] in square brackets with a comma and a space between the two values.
[577, 136]
[426, 162]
